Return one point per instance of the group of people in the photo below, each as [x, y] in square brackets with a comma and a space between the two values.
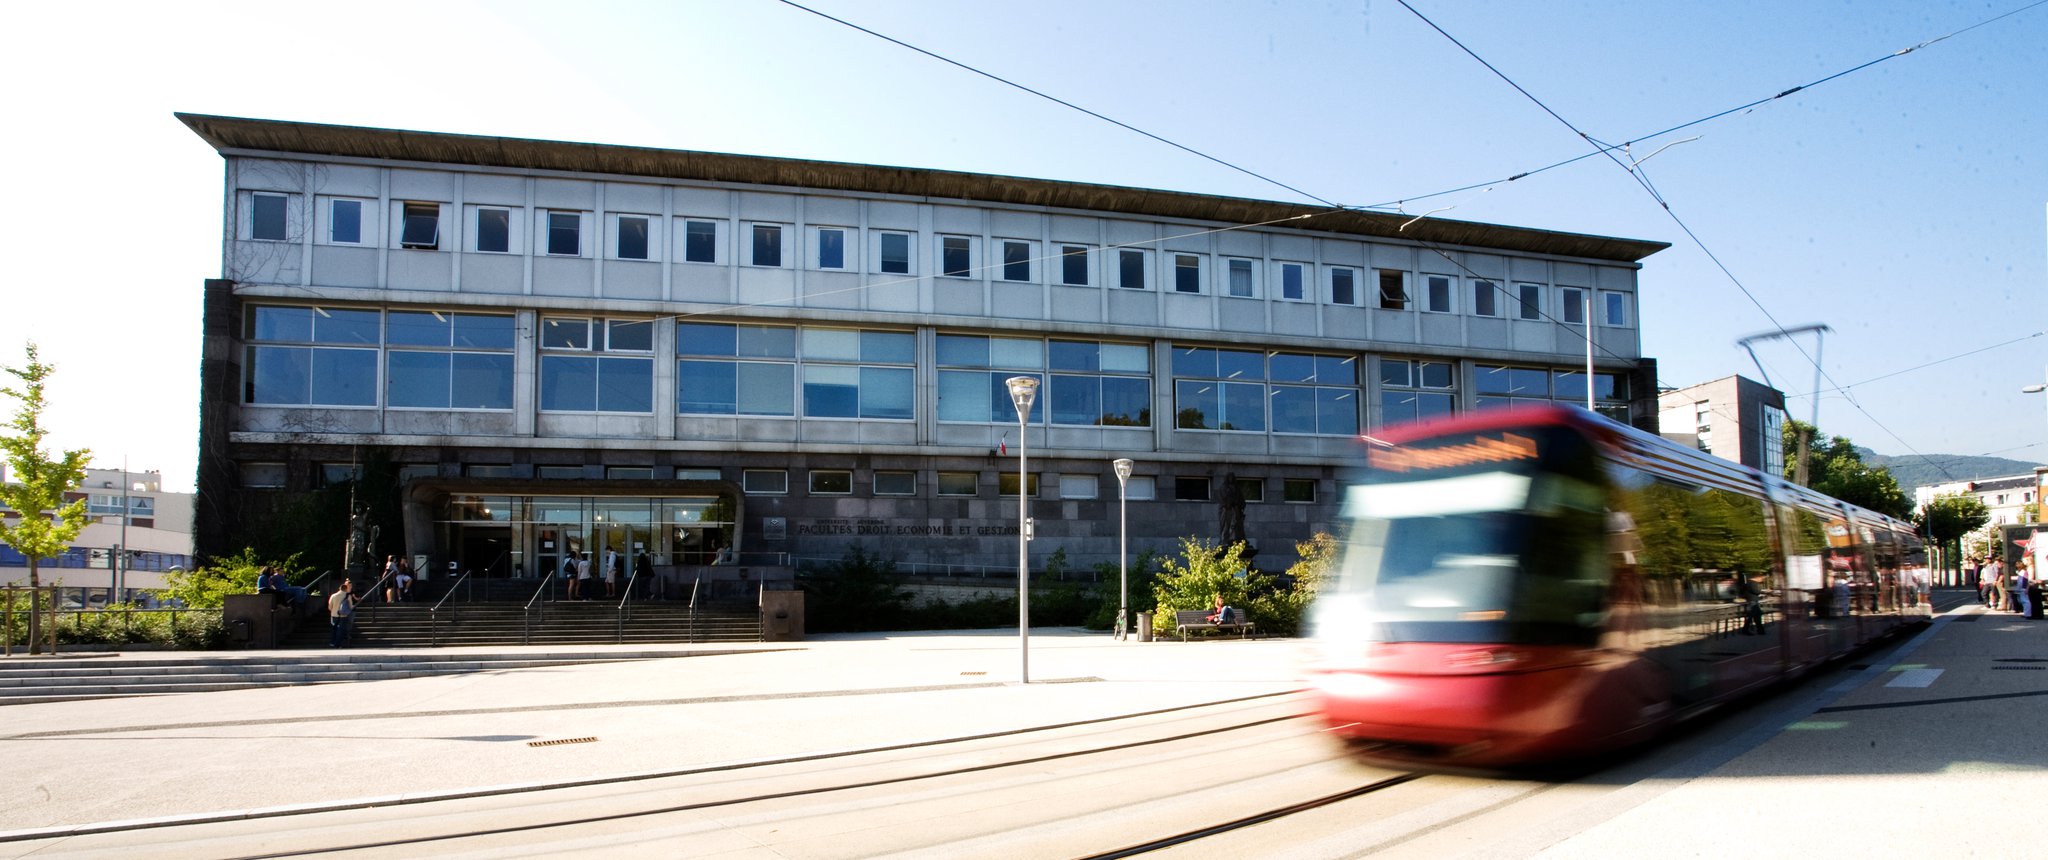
[2005, 589]
[576, 571]
[270, 581]
[397, 578]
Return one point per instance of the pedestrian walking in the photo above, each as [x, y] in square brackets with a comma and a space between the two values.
[583, 575]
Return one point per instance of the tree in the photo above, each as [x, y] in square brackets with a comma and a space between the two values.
[1838, 470]
[46, 525]
[1947, 519]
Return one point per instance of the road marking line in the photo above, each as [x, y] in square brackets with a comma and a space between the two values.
[1915, 678]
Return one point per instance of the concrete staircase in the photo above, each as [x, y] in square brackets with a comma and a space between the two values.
[416, 625]
[62, 679]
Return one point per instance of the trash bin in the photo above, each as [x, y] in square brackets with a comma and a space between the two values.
[1144, 626]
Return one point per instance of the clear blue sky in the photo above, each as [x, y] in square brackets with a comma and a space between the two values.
[1903, 204]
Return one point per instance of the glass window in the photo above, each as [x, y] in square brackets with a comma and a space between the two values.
[1006, 485]
[1393, 289]
[1074, 486]
[1616, 307]
[765, 482]
[895, 483]
[1187, 273]
[1529, 301]
[1074, 265]
[700, 241]
[1298, 490]
[1484, 301]
[420, 227]
[1141, 488]
[767, 245]
[345, 222]
[831, 482]
[629, 335]
[1293, 281]
[493, 229]
[831, 248]
[1190, 489]
[1130, 268]
[1343, 286]
[1438, 290]
[267, 217]
[959, 483]
[1016, 260]
[1412, 390]
[1252, 489]
[262, 475]
[1571, 305]
[565, 333]
[956, 258]
[895, 253]
[632, 237]
[1241, 278]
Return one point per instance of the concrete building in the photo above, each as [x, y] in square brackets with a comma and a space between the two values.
[2005, 498]
[137, 532]
[1734, 418]
[571, 347]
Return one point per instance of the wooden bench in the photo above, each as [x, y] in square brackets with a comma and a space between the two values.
[1186, 620]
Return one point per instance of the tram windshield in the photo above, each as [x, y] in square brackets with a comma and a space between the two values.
[1491, 537]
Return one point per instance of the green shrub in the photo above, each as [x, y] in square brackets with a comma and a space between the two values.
[1204, 571]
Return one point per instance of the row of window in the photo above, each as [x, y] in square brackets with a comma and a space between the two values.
[501, 230]
[313, 356]
[840, 482]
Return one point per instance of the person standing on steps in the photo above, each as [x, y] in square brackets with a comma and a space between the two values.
[341, 610]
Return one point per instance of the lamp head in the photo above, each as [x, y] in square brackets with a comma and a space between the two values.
[1022, 390]
[1123, 469]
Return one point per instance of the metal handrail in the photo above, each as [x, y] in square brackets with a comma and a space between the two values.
[526, 633]
[694, 585]
[625, 605]
[434, 612]
[360, 602]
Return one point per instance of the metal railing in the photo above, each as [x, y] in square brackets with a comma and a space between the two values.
[434, 612]
[626, 605]
[539, 600]
[49, 631]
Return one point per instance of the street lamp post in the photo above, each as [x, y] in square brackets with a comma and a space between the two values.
[1022, 390]
[1123, 577]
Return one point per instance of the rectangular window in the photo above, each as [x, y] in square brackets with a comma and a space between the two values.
[1195, 489]
[268, 216]
[1187, 273]
[1130, 269]
[1079, 486]
[420, 226]
[1531, 300]
[746, 369]
[1616, 307]
[895, 483]
[685, 473]
[831, 482]
[1293, 281]
[1252, 489]
[1006, 485]
[629, 473]
[1241, 285]
[764, 482]
[493, 229]
[263, 475]
[447, 360]
[572, 380]
[1016, 260]
[1343, 286]
[632, 237]
[345, 222]
[956, 257]
[831, 247]
[1074, 265]
[894, 253]
[565, 234]
[700, 241]
[1571, 305]
[959, 483]
[1298, 491]
[1412, 390]
[766, 245]
[1485, 301]
[1438, 289]
[1393, 289]
[1141, 488]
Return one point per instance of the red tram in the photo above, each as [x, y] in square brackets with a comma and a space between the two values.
[1530, 585]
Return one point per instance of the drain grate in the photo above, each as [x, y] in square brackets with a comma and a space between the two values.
[2020, 668]
[973, 673]
[556, 743]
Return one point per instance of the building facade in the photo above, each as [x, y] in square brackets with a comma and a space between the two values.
[136, 532]
[1734, 418]
[576, 348]
[2006, 499]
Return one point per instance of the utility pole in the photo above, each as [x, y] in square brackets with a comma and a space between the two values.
[1799, 473]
